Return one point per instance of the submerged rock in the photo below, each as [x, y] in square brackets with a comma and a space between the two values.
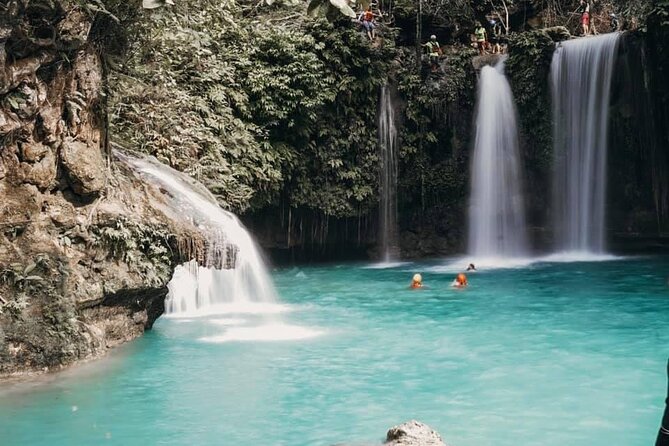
[413, 433]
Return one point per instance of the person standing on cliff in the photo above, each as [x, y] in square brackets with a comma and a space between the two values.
[584, 9]
[433, 51]
[481, 37]
[663, 434]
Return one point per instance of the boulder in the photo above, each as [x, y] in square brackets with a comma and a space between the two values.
[85, 167]
[413, 433]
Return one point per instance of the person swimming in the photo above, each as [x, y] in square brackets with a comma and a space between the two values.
[417, 281]
[471, 267]
[460, 281]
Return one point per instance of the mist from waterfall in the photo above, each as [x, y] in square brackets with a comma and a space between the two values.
[388, 148]
[234, 273]
[581, 74]
[497, 227]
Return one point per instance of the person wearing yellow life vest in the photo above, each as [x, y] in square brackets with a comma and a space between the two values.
[481, 37]
[367, 19]
[433, 51]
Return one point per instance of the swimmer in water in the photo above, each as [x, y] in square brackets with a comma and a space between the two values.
[471, 267]
[417, 281]
[460, 281]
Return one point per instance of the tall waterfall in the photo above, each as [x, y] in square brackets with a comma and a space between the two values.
[388, 226]
[581, 74]
[194, 288]
[497, 211]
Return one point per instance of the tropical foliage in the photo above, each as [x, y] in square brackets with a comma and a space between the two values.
[258, 108]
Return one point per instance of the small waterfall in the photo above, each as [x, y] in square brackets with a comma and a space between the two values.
[497, 210]
[581, 73]
[243, 280]
[389, 231]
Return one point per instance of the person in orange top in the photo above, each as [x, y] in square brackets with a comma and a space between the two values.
[367, 20]
[417, 281]
[460, 281]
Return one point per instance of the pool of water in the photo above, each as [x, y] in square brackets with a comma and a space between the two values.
[547, 354]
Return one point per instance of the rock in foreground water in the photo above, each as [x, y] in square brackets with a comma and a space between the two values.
[413, 433]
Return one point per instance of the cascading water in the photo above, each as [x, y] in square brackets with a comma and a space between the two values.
[497, 212]
[242, 281]
[581, 74]
[388, 178]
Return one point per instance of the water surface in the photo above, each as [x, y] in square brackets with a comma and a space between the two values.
[552, 354]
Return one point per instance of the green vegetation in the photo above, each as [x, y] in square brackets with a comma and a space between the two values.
[258, 105]
[273, 107]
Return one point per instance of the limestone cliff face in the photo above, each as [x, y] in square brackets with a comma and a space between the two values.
[86, 250]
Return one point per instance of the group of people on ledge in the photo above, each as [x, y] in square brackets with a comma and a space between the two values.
[485, 42]
[492, 42]
[459, 282]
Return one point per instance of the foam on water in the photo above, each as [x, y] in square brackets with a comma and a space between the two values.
[578, 256]
[486, 263]
[493, 263]
[228, 322]
[264, 333]
[385, 265]
[251, 308]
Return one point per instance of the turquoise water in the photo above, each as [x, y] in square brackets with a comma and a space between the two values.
[552, 354]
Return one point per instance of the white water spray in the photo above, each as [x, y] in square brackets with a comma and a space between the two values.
[581, 74]
[497, 211]
[388, 179]
[244, 284]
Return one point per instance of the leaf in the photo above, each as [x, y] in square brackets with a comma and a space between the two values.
[343, 7]
[37, 278]
[29, 269]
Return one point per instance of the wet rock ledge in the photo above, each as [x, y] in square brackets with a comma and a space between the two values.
[86, 250]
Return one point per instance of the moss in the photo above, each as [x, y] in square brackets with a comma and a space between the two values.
[528, 70]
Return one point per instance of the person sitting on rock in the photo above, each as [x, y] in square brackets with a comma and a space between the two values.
[433, 51]
[481, 38]
[367, 20]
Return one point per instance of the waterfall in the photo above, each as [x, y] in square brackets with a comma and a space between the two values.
[388, 226]
[581, 73]
[243, 279]
[497, 211]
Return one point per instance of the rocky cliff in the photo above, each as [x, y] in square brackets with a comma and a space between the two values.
[86, 250]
